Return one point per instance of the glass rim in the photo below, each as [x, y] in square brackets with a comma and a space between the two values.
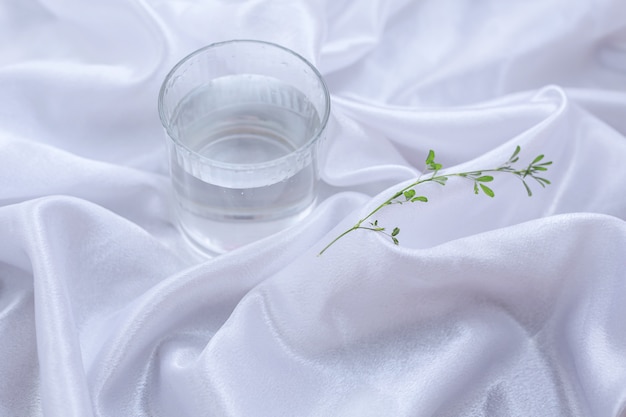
[244, 166]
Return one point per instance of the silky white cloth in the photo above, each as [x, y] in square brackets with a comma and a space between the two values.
[511, 306]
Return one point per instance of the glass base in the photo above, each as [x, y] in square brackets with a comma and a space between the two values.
[211, 238]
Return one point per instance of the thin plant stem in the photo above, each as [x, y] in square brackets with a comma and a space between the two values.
[479, 178]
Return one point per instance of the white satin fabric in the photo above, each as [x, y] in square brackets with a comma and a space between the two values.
[511, 306]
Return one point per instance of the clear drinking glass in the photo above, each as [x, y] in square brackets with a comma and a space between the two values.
[244, 120]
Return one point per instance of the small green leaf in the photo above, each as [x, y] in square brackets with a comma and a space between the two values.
[485, 178]
[430, 159]
[537, 159]
[409, 194]
[419, 198]
[517, 150]
[539, 168]
[395, 241]
[545, 163]
[487, 190]
[395, 231]
[542, 181]
[475, 187]
[530, 193]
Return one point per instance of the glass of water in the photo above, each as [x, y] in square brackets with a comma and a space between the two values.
[244, 121]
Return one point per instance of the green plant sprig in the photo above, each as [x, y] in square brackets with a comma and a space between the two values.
[479, 179]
